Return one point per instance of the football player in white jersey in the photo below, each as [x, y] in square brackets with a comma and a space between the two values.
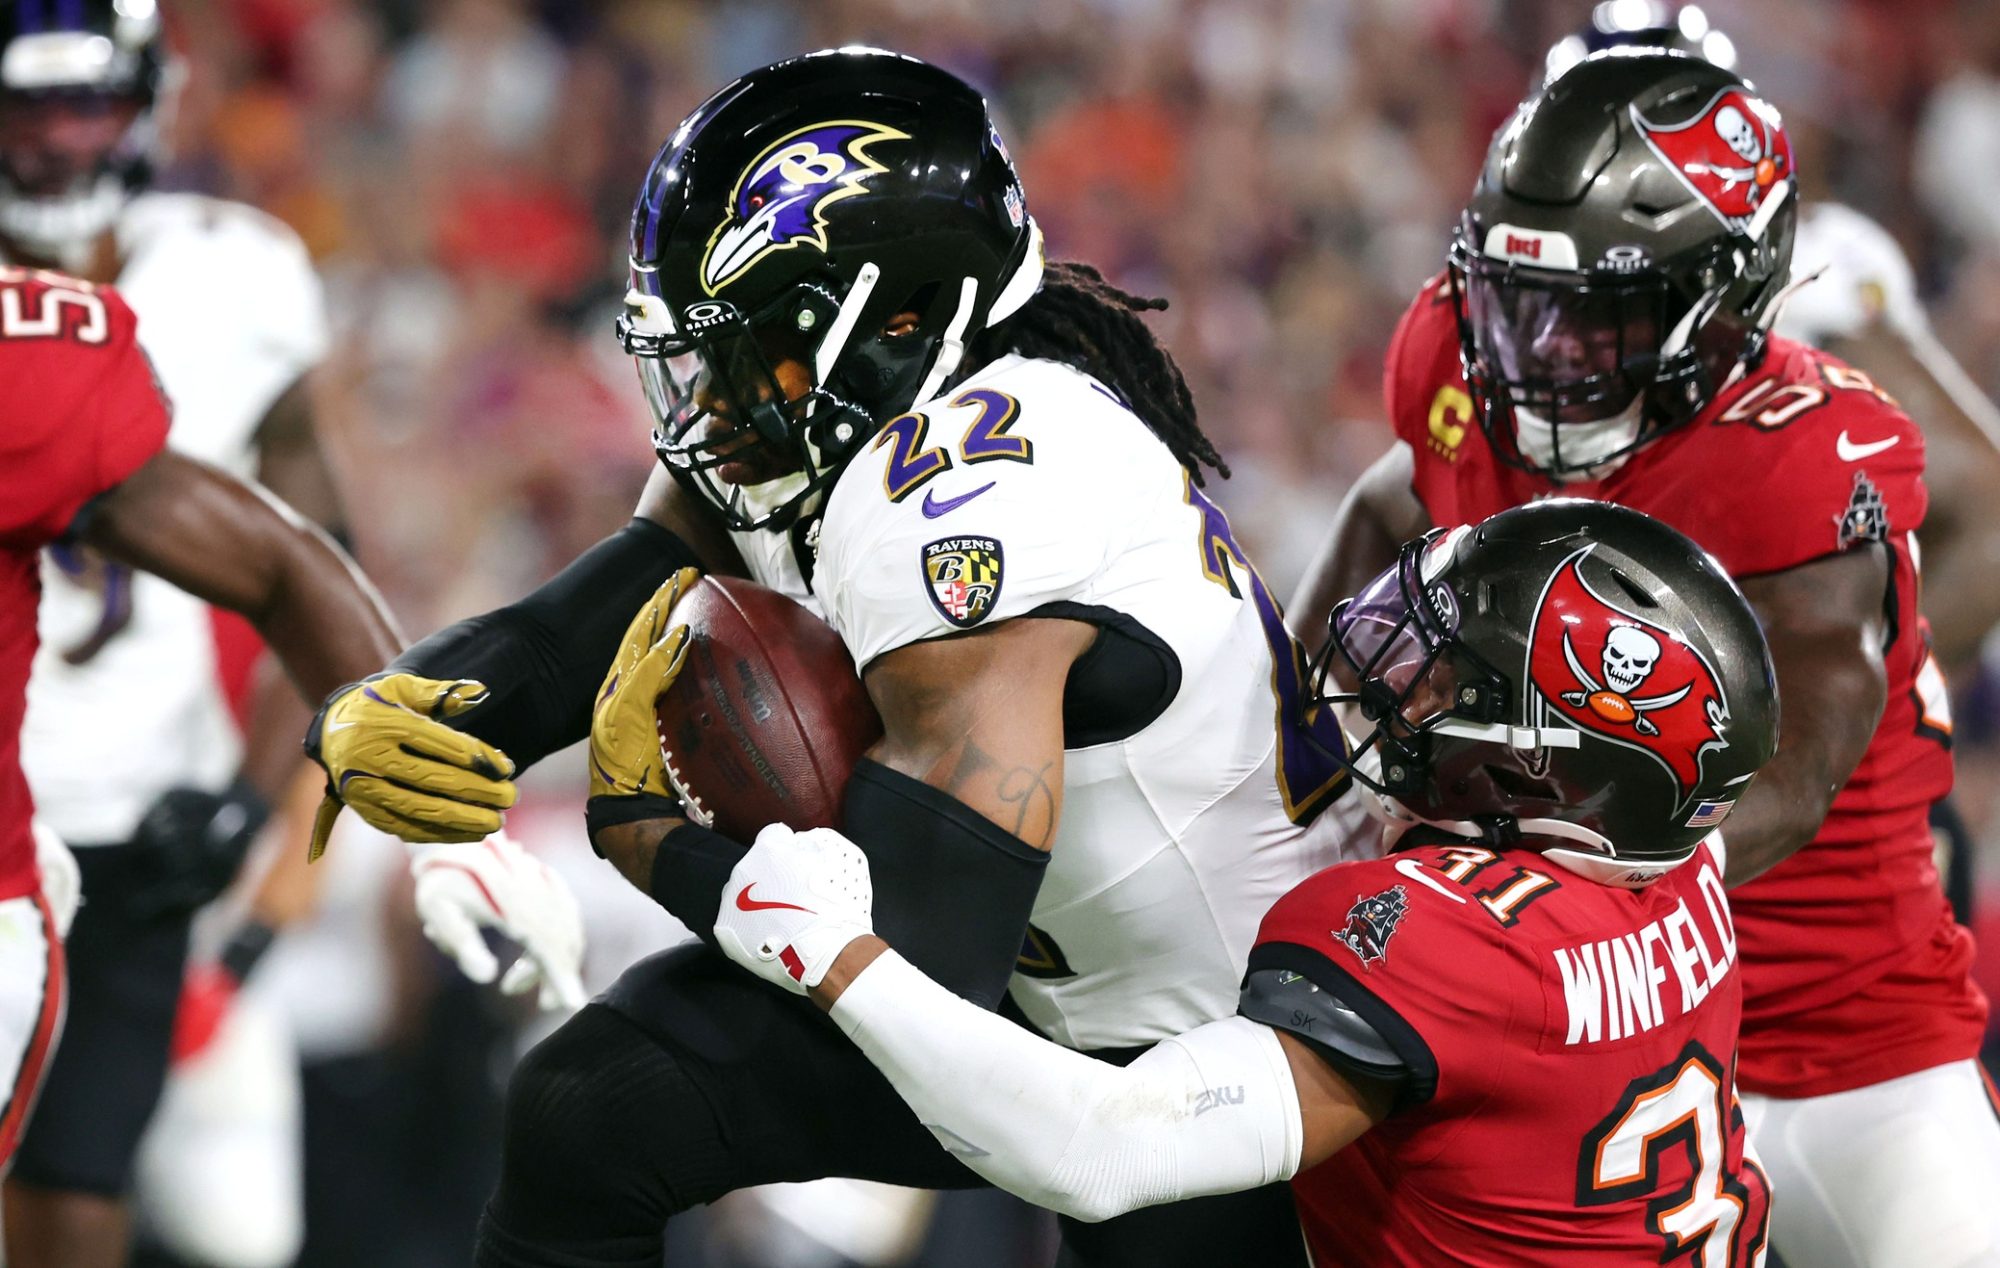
[873, 396]
[152, 788]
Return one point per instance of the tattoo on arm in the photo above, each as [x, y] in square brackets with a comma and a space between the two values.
[1022, 799]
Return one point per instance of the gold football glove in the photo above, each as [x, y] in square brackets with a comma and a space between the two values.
[624, 739]
[389, 755]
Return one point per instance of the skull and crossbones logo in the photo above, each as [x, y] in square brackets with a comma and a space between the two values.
[1630, 655]
[1746, 140]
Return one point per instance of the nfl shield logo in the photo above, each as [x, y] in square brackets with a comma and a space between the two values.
[964, 577]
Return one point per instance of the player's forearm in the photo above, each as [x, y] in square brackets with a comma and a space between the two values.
[1827, 625]
[1082, 1137]
[543, 657]
[277, 716]
[235, 546]
[1774, 820]
[323, 621]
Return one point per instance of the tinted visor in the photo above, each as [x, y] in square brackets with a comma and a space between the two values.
[1393, 652]
[1568, 349]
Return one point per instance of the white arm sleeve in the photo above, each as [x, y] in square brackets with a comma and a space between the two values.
[1210, 1111]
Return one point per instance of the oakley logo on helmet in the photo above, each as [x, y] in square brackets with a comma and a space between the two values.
[1626, 679]
[1628, 258]
[1731, 154]
[781, 198]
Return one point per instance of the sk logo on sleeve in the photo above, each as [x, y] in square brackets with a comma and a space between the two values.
[964, 574]
[1621, 677]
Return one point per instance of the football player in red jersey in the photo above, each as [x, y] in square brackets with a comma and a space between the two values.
[1511, 1041]
[82, 459]
[1603, 331]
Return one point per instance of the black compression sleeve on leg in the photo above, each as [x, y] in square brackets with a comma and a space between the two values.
[543, 657]
[690, 871]
[952, 889]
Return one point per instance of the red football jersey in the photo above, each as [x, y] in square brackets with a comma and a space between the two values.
[1854, 971]
[1571, 1045]
[83, 412]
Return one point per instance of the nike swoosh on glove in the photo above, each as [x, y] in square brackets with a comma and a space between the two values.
[465, 888]
[628, 778]
[388, 754]
[793, 904]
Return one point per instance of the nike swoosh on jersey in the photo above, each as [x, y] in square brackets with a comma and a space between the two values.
[746, 903]
[934, 508]
[1851, 452]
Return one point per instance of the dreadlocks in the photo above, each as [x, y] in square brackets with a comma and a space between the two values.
[1085, 322]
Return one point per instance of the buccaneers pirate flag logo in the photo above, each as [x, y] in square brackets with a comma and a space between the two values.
[1732, 154]
[1620, 676]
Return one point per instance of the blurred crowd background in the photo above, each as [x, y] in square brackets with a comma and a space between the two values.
[1284, 171]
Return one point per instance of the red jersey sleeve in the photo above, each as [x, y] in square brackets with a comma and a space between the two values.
[88, 410]
[1416, 958]
[1806, 459]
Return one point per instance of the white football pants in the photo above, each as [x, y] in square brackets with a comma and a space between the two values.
[1901, 1174]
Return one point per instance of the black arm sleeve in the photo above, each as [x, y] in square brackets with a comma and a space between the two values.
[543, 657]
[690, 871]
[952, 889]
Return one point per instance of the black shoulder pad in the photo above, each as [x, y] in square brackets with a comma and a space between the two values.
[1289, 1001]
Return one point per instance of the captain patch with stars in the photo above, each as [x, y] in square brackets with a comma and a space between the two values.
[964, 574]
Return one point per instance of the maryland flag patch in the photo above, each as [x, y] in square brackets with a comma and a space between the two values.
[964, 575]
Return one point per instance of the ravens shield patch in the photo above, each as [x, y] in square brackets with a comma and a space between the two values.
[964, 575]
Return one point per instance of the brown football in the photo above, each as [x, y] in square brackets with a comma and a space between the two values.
[766, 719]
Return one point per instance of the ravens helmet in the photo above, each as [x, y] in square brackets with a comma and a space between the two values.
[1622, 257]
[83, 86]
[812, 251]
[1569, 675]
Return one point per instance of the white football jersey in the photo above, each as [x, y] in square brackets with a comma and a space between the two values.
[231, 313]
[1866, 277]
[1030, 489]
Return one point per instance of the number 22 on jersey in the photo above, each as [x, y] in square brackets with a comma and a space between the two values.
[913, 463]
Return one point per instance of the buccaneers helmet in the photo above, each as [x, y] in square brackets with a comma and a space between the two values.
[1622, 257]
[786, 223]
[1570, 675]
[70, 73]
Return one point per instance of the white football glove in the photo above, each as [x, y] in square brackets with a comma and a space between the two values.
[62, 879]
[793, 904]
[495, 884]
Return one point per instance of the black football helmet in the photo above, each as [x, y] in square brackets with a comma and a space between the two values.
[61, 61]
[1622, 257]
[787, 221]
[1569, 675]
[1682, 28]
